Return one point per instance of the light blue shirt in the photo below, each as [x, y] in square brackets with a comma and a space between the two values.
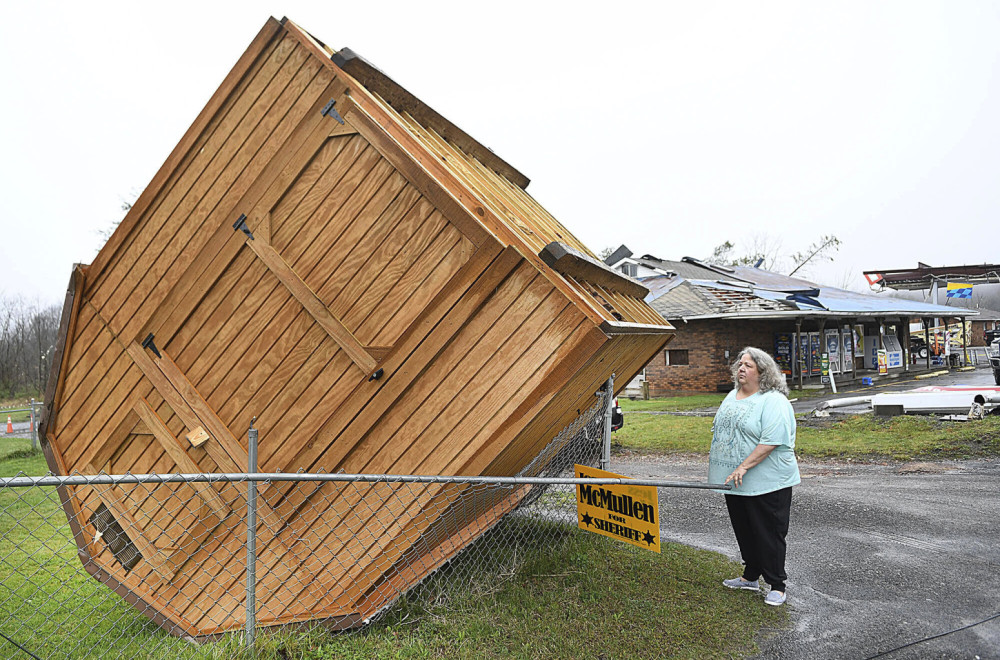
[741, 425]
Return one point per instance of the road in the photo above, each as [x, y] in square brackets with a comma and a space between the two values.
[878, 555]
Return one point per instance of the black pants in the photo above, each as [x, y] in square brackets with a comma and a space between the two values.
[761, 524]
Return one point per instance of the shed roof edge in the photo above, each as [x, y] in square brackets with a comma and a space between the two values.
[377, 81]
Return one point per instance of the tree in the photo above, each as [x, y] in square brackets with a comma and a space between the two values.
[821, 249]
[27, 345]
[764, 251]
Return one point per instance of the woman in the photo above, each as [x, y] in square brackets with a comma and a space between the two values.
[753, 442]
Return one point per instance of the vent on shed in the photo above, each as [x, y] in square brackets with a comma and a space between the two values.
[114, 536]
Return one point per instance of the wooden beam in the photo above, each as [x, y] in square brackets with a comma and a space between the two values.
[188, 404]
[180, 395]
[150, 553]
[173, 447]
[313, 305]
[404, 102]
[625, 328]
[60, 360]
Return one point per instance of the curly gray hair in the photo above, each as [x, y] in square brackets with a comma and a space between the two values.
[771, 377]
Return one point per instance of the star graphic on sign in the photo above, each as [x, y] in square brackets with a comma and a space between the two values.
[587, 519]
[648, 538]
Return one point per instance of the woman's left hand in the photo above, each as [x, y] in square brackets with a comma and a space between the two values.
[736, 477]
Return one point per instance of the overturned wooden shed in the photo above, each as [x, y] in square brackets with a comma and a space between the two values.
[324, 252]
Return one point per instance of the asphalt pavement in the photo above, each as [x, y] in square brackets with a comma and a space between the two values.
[878, 555]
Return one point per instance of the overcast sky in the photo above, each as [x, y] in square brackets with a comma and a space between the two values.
[667, 126]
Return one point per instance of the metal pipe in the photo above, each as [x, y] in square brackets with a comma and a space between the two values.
[927, 340]
[965, 344]
[251, 625]
[609, 390]
[224, 477]
[801, 357]
[34, 426]
[840, 403]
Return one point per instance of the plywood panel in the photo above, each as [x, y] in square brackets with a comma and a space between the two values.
[238, 287]
[329, 163]
[335, 216]
[325, 201]
[501, 377]
[422, 279]
[490, 325]
[356, 252]
[384, 291]
[378, 251]
[409, 359]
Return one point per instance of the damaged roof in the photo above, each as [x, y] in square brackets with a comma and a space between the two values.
[691, 289]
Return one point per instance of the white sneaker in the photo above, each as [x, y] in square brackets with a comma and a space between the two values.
[740, 583]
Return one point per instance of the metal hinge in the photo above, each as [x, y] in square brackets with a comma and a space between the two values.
[148, 343]
[241, 224]
[329, 111]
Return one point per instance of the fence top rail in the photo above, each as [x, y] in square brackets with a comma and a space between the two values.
[24, 481]
[14, 410]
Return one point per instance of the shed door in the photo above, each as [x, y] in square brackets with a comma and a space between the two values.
[297, 299]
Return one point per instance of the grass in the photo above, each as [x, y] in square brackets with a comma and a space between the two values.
[581, 596]
[673, 403]
[901, 438]
[585, 598]
[664, 434]
[693, 401]
[859, 437]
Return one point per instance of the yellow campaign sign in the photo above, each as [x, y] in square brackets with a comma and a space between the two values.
[626, 513]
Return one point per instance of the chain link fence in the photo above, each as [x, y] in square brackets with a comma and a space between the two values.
[21, 422]
[128, 566]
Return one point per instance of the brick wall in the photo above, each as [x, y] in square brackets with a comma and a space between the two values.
[707, 342]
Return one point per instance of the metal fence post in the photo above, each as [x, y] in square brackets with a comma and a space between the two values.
[609, 390]
[34, 426]
[251, 626]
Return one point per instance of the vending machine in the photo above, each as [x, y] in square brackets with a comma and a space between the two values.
[784, 352]
[895, 351]
[871, 351]
[815, 354]
[832, 347]
[849, 349]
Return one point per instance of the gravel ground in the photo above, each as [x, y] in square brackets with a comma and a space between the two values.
[879, 555]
